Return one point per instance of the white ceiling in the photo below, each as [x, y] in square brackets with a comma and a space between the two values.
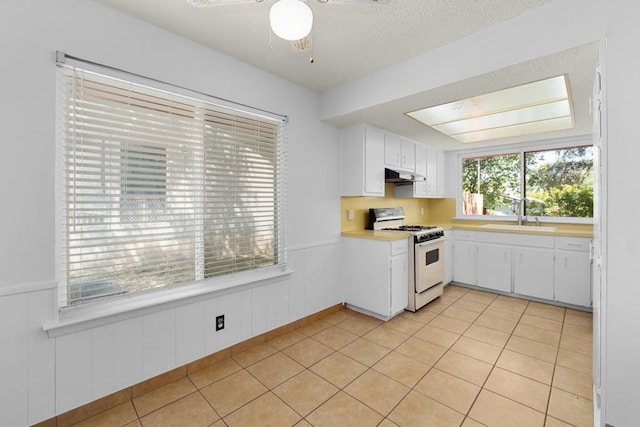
[350, 41]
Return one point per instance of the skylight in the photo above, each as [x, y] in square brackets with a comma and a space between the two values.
[536, 107]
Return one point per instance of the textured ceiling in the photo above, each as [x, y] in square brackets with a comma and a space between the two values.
[578, 64]
[348, 40]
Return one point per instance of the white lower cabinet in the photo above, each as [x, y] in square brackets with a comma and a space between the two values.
[448, 257]
[377, 275]
[573, 271]
[533, 272]
[465, 256]
[399, 284]
[546, 267]
[494, 266]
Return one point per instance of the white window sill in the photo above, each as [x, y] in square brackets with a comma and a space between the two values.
[91, 315]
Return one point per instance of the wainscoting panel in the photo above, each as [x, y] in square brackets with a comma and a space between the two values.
[190, 332]
[211, 339]
[297, 284]
[73, 370]
[41, 360]
[49, 376]
[158, 343]
[13, 359]
[127, 351]
[236, 309]
[103, 366]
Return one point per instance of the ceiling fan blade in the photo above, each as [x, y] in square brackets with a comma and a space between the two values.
[210, 3]
[355, 1]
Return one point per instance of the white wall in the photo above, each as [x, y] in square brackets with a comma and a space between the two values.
[42, 376]
[622, 345]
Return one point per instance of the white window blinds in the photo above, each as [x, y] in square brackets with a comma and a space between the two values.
[162, 189]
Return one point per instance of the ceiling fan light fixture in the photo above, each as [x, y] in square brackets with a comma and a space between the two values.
[291, 19]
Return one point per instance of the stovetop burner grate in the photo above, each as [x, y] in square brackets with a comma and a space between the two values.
[410, 228]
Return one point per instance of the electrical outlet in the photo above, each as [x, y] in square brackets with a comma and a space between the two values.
[220, 322]
[349, 214]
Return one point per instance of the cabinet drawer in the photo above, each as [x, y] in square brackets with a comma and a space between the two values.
[399, 247]
[573, 243]
[465, 235]
[500, 238]
[533, 241]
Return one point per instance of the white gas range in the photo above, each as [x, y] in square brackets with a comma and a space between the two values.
[426, 261]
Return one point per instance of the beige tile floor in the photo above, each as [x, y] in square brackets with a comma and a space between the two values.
[470, 358]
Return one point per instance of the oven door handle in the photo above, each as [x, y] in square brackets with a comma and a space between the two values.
[430, 242]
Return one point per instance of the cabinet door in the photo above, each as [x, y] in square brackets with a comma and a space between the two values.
[399, 284]
[494, 267]
[533, 272]
[432, 172]
[367, 274]
[448, 260]
[421, 160]
[408, 161]
[392, 151]
[464, 262]
[573, 278]
[441, 189]
[374, 163]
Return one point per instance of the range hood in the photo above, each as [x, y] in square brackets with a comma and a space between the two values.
[400, 177]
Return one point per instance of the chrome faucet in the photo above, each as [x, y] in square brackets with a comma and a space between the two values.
[521, 218]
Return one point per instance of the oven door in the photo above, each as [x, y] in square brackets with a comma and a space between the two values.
[429, 264]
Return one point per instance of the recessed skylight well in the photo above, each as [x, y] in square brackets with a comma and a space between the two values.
[536, 107]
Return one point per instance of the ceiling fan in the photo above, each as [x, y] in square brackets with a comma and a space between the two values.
[289, 19]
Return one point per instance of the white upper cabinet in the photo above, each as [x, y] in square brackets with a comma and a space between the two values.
[432, 170]
[435, 173]
[441, 189]
[392, 151]
[421, 160]
[417, 189]
[408, 156]
[367, 151]
[399, 154]
[362, 161]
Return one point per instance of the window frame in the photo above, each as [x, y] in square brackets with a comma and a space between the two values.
[555, 144]
[109, 306]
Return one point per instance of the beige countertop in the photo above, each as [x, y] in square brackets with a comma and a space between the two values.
[560, 230]
[388, 236]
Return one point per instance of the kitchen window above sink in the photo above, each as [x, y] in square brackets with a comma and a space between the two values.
[550, 185]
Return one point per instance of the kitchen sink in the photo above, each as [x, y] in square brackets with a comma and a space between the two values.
[514, 227]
